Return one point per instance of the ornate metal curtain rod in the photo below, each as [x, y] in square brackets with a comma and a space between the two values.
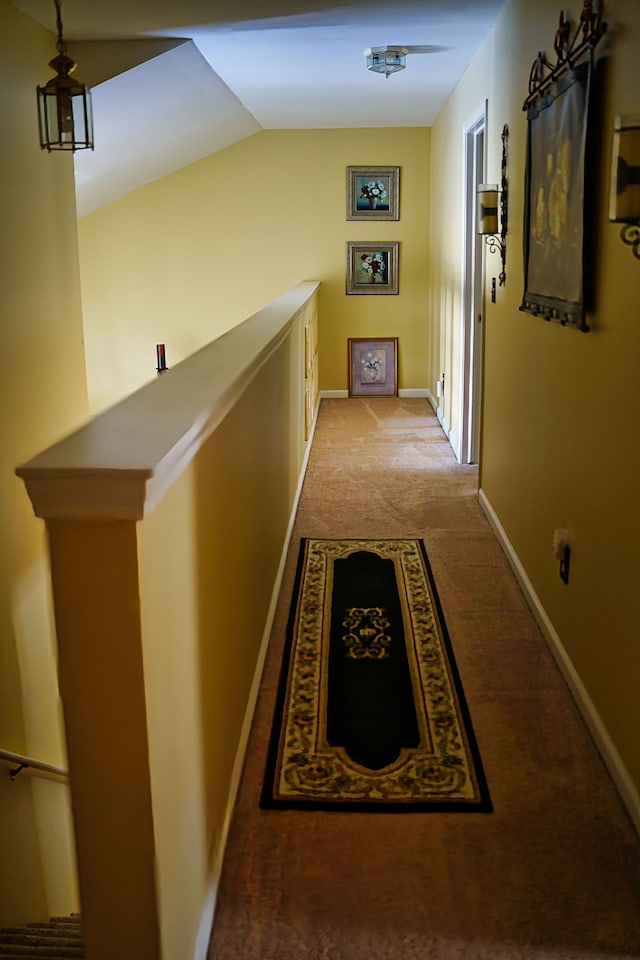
[569, 49]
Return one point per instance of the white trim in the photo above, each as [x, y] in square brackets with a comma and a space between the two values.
[206, 921]
[120, 464]
[619, 773]
[470, 293]
[414, 392]
[454, 442]
[344, 394]
[444, 423]
[441, 420]
[203, 937]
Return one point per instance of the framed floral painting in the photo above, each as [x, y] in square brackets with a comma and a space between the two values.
[372, 266]
[373, 367]
[373, 193]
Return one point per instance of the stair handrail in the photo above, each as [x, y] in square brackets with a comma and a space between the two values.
[29, 763]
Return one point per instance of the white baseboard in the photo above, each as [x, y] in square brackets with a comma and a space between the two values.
[617, 769]
[444, 423]
[446, 426]
[206, 921]
[342, 394]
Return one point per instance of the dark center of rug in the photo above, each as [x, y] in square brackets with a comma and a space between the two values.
[370, 711]
[370, 707]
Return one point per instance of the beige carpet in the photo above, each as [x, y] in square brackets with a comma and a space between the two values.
[59, 937]
[553, 873]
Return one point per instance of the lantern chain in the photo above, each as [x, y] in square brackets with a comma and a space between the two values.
[61, 46]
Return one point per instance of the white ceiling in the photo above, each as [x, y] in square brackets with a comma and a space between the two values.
[273, 64]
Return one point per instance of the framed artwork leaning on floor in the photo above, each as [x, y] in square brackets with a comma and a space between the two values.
[373, 367]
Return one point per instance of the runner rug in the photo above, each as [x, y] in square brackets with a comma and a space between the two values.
[370, 714]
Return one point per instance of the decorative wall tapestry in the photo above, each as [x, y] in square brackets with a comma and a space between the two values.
[558, 109]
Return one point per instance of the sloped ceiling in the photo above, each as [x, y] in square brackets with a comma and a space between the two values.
[175, 80]
[154, 119]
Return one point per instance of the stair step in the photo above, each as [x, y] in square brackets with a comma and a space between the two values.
[59, 937]
[25, 938]
[39, 950]
[65, 933]
[43, 933]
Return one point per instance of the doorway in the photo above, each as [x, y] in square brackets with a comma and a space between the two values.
[472, 296]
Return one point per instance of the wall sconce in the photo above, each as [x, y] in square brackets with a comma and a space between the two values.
[624, 203]
[64, 104]
[492, 213]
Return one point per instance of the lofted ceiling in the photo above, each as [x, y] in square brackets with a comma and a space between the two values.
[175, 80]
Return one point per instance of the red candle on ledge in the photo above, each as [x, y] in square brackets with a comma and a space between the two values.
[161, 362]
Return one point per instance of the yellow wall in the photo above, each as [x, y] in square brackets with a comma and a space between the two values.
[561, 408]
[42, 396]
[204, 607]
[160, 628]
[190, 256]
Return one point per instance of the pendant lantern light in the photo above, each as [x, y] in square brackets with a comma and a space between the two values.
[64, 104]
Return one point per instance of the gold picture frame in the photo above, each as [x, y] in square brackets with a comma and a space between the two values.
[373, 193]
[372, 267]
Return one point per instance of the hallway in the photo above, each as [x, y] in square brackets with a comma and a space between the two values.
[553, 872]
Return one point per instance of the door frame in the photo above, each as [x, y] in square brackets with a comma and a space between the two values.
[471, 353]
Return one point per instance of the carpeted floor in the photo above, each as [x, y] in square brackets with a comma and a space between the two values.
[59, 937]
[553, 873]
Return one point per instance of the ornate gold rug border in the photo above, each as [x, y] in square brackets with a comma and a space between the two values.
[444, 772]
